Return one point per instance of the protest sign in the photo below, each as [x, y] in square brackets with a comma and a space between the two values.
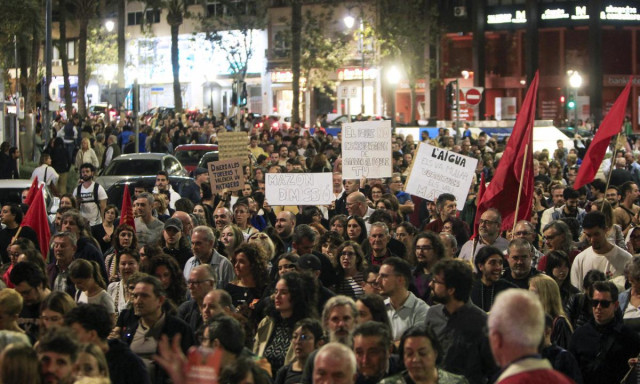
[226, 174]
[298, 188]
[435, 171]
[366, 149]
[233, 144]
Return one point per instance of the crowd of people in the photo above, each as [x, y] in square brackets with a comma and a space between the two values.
[379, 287]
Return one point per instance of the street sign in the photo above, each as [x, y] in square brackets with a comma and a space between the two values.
[474, 96]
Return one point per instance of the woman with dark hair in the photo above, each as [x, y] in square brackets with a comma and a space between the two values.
[375, 193]
[338, 224]
[128, 264]
[166, 268]
[87, 246]
[308, 336]
[356, 229]
[124, 237]
[250, 268]
[20, 364]
[311, 214]
[428, 250]
[103, 232]
[349, 270]
[201, 212]
[558, 268]
[293, 300]
[421, 353]
[328, 244]
[90, 286]
[458, 228]
[371, 307]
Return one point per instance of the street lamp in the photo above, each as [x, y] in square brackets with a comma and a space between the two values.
[393, 77]
[109, 25]
[575, 82]
[349, 22]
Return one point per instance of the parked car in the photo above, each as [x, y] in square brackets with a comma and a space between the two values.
[139, 164]
[181, 184]
[11, 192]
[190, 154]
[163, 113]
[207, 158]
[101, 109]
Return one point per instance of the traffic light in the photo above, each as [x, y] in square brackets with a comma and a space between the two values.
[242, 94]
[562, 99]
[572, 103]
[450, 93]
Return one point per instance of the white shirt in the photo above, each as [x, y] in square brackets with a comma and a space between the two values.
[88, 207]
[41, 171]
[611, 264]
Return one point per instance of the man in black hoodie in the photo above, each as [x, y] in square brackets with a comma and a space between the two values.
[91, 323]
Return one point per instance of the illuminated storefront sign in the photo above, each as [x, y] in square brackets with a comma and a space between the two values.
[346, 74]
[621, 13]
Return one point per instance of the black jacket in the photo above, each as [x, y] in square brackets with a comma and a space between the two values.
[602, 351]
[125, 367]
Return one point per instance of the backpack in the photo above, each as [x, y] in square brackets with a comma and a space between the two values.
[95, 194]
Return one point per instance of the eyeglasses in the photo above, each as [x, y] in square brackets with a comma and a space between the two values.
[602, 303]
[347, 253]
[550, 237]
[196, 282]
[424, 248]
[522, 233]
[373, 282]
[286, 266]
[487, 222]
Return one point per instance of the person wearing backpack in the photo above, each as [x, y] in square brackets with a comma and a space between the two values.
[91, 196]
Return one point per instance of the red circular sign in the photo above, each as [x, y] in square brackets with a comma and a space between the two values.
[474, 97]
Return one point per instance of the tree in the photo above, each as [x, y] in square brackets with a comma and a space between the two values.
[102, 48]
[231, 32]
[62, 48]
[85, 12]
[403, 29]
[324, 52]
[296, 42]
[177, 12]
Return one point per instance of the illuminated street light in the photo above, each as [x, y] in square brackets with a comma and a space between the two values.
[575, 82]
[109, 25]
[349, 21]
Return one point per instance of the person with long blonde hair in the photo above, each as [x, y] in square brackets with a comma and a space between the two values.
[549, 295]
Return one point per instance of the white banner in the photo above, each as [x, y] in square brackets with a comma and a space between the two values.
[435, 171]
[299, 188]
[366, 149]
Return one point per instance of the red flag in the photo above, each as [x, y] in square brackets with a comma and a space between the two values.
[32, 191]
[36, 218]
[502, 192]
[482, 188]
[611, 126]
[126, 214]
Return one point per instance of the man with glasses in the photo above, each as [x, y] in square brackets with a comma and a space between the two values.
[459, 325]
[201, 281]
[520, 269]
[406, 205]
[202, 245]
[603, 346]
[488, 234]
[371, 285]
[403, 307]
[526, 230]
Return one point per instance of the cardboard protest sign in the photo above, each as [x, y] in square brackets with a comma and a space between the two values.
[226, 174]
[366, 149]
[233, 144]
[298, 188]
[435, 171]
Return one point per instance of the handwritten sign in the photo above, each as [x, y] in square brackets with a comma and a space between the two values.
[366, 149]
[435, 171]
[298, 188]
[226, 174]
[233, 144]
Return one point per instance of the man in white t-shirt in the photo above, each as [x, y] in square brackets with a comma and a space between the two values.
[91, 196]
[45, 171]
[601, 255]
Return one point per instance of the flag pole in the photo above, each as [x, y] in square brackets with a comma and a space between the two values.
[524, 166]
[613, 159]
